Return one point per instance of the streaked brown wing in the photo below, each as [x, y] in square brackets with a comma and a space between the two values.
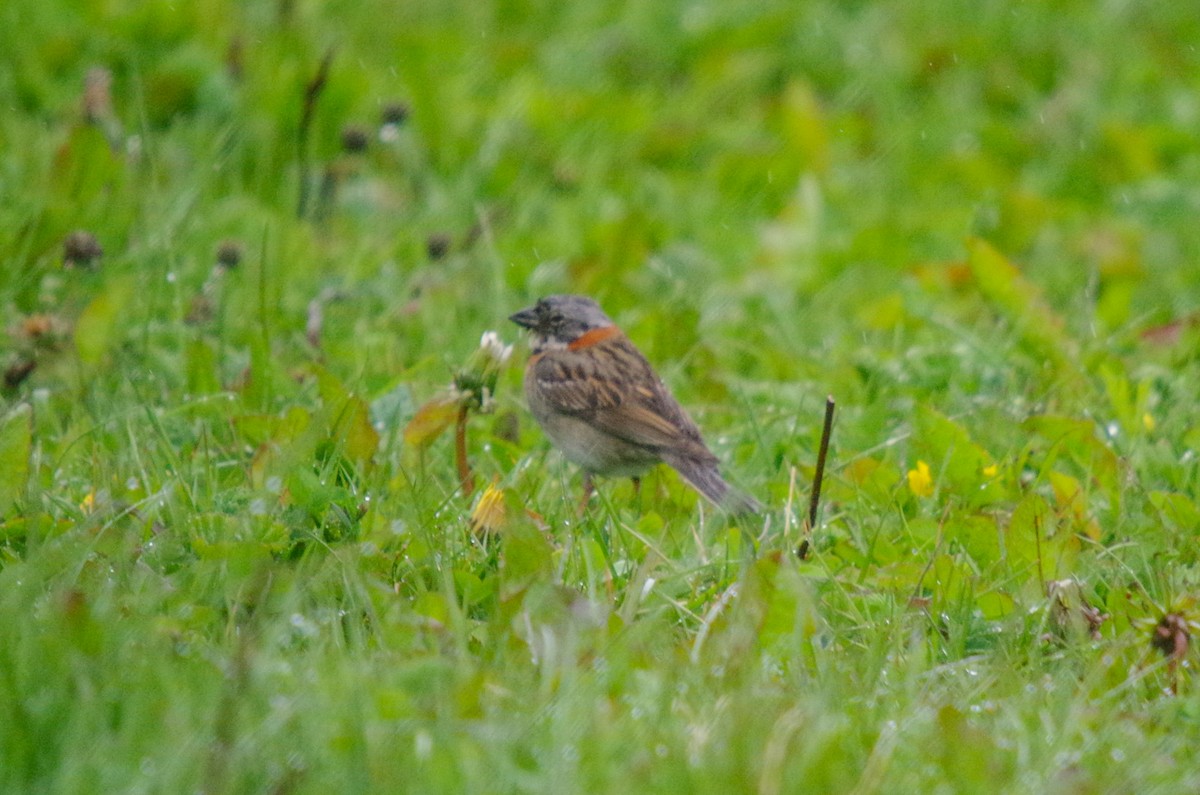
[629, 401]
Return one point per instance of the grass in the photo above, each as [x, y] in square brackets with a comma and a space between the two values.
[234, 551]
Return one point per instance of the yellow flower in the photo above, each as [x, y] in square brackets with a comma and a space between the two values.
[490, 511]
[920, 482]
[1148, 421]
[991, 470]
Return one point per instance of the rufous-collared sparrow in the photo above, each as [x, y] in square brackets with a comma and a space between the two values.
[604, 407]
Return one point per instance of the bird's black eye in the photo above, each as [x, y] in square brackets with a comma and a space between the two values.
[556, 318]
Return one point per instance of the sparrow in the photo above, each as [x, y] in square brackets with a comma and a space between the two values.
[600, 402]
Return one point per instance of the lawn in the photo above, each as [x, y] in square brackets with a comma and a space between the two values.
[248, 253]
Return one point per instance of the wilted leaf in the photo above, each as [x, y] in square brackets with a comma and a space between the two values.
[430, 421]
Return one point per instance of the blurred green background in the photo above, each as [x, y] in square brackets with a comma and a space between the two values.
[245, 247]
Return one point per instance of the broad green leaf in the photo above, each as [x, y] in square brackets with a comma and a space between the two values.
[923, 531]
[258, 429]
[1077, 440]
[16, 441]
[307, 491]
[432, 604]
[201, 364]
[994, 605]
[349, 419]
[83, 166]
[1036, 539]
[964, 751]
[790, 618]
[1031, 523]
[958, 464]
[1071, 501]
[1128, 402]
[1021, 302]
[267, 381]
[864, 478]
[292, 442]
[902, 576]
[773, 612]
[978, 536]
[471, 588]
[946, 580]
[391, 408]
[883, 314]
[803, 124]
[96, 329]
[1176, 508]
[527, 557]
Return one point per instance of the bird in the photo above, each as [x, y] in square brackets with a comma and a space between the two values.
[604, 407]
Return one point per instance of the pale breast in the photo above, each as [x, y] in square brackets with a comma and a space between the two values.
[584, 445]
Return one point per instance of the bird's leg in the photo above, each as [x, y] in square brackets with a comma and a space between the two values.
[637, 486]
[588, 489]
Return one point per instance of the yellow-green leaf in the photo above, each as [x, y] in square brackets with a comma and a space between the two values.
[1021, 302]
[349, 418]
[16, 440]
[957, 463]
[97, 325]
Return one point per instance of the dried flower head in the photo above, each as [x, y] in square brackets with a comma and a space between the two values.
[394, 113]
[97, 95]
[438, 245]
[17, 372]
[355, 139]
[37, 326]
[229, 254]
[391, 120]
[41, 332]
[1070, 612]
[1172, 636]
[81, 249]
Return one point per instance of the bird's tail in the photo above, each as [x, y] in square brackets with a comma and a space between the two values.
[705, 477]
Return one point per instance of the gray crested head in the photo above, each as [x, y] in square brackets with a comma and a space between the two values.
[557, 320]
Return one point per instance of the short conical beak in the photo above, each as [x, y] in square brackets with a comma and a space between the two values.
[526, 318]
